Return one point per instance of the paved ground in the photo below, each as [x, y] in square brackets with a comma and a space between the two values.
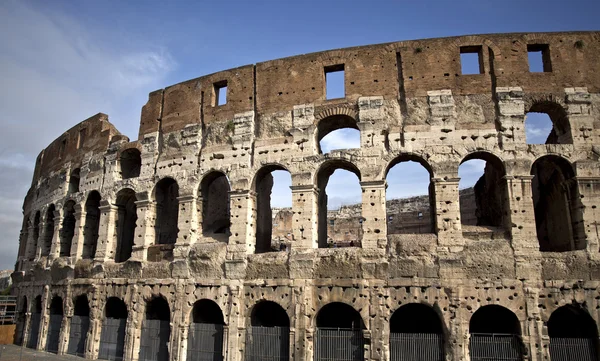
[16, 353]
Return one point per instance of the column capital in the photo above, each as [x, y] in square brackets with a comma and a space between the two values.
[446, 180]
[304, 188]
[241, 193]
[186, 198]
[374, 184]
[144, 203]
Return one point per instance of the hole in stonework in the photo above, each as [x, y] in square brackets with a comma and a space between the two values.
[538, 56]
[471, 60]
[220, 93]
[334, 81]
[273, 209]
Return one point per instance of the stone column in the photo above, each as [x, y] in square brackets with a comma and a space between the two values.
[106, 233]
[304, 207]
[94, 333]
[511, 117]
[65, 328]
[237, 328]
[133, 329]
[242, 239]
[144, 232]
[447, 212]
[44, 318]
[55, 247]
[25, 328]
[78, 236]
[374, 214]
[533, 333]
[41, 239]
[586, 207]
[187, 224]
[30, 246]
[581, 121]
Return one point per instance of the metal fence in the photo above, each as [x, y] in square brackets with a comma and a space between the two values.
[567, 349]
[154, 342]
[416, 347]
[8, 310]
[34, 330]
[205, 342]
[267, 344]
[53, 333]
[112, 339]
[78, 334]
[339, 344]
[495, 347]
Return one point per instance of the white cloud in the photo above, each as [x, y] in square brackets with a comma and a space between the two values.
[345, 138]
[537, 128]
[55, 73]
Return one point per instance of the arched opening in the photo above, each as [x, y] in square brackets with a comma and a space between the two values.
[131, 163]
[126, 223]
[24, 238]
[410, 197]
[92, 225]
[205, 337]
[167, 211]
[68, 229]
[21, 317]
[482, 194]
[558, 217]
[156, 331]
[339, 205]
[112, 336]
[80, 324]
[36, 234]
[74, 181]
[495, 333]
[269, 325]
[34, 323]
[49, 231]
[573, 334]
[547, 122]
[214, 206]
[270, 186]
[339, 334]
[337, 132]
[416, 333]
[54, 325]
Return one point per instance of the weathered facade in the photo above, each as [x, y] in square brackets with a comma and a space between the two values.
[136, 249]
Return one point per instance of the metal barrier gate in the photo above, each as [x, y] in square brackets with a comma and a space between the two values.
[416, 347]
[339, 344]
[567, 349]
[154, 343]
[78, 334]
[205, 342]
[34, 330]
[54, 333]
[495, 347]
[267, 343]
[112, 339]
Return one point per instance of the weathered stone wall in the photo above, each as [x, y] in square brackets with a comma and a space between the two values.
[411, 103]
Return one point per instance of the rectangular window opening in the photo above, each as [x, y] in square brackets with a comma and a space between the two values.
[538, 56]
[220, 93]
[471, 60]
[334, 82]
[62, 148]
[81, 138]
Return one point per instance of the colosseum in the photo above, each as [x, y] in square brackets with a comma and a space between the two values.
[166, 247]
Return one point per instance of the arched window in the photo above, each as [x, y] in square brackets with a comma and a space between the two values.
[270, 187]
[156, 331]
[167, 210]
[112, 336]
[339, 333]
[54, 326]
[337, 132]
[126, 223]
[68, 229]
[269, 325]
[92, 225]
[547, 122]
[410, 197]
[34, 323]
[214, 206]
[205, 337]
[74, 181]
[495, 332]
[131, 163]
[80, 324]
[339, 205]
[482, 193]
[558, 218]
[36, 232]
[573, 334]
[416, 332]
[49, 231]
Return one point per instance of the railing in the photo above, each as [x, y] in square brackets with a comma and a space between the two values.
[77, 335]
[495, 347]
[339, 344]
[205, 342]
[154, 342]
[568, 349]
[8, 310]
[267, 344]
[112, 339]
[416, 347]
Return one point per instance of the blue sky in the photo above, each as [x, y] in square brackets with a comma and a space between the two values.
[63, 61]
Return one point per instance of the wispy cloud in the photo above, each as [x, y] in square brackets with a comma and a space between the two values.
[346, 138]
[537, 128]
[55, 74]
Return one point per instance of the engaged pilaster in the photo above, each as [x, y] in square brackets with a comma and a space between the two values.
[304, 207]
[144, 232]
[187, 224]
[373, 214]
[77, 241]
[106, 233]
